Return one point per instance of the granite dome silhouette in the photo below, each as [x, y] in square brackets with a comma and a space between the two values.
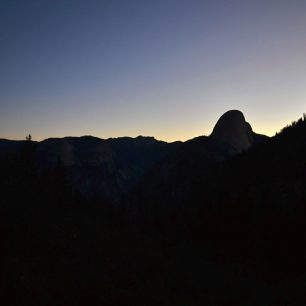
[233, 129]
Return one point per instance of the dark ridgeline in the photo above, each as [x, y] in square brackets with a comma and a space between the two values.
[216, 220]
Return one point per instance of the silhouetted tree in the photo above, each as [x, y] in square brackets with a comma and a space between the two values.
[29, 137]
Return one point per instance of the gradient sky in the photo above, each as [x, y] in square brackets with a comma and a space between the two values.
[163, 68]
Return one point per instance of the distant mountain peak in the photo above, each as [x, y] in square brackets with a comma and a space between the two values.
[233, 129]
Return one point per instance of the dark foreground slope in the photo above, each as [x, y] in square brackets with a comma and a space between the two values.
[255, 203]
[251, 206]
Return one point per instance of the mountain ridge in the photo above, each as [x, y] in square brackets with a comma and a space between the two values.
[108, 168]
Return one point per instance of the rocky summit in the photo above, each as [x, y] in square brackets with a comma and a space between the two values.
[233, 129]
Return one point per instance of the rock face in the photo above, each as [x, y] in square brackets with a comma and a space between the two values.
[232, 129]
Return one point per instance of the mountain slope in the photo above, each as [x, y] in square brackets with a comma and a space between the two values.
[169, 184]
[253, 205]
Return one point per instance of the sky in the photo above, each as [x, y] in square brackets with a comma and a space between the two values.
[162, 68]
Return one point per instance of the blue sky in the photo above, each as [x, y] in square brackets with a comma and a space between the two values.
[166, 68]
